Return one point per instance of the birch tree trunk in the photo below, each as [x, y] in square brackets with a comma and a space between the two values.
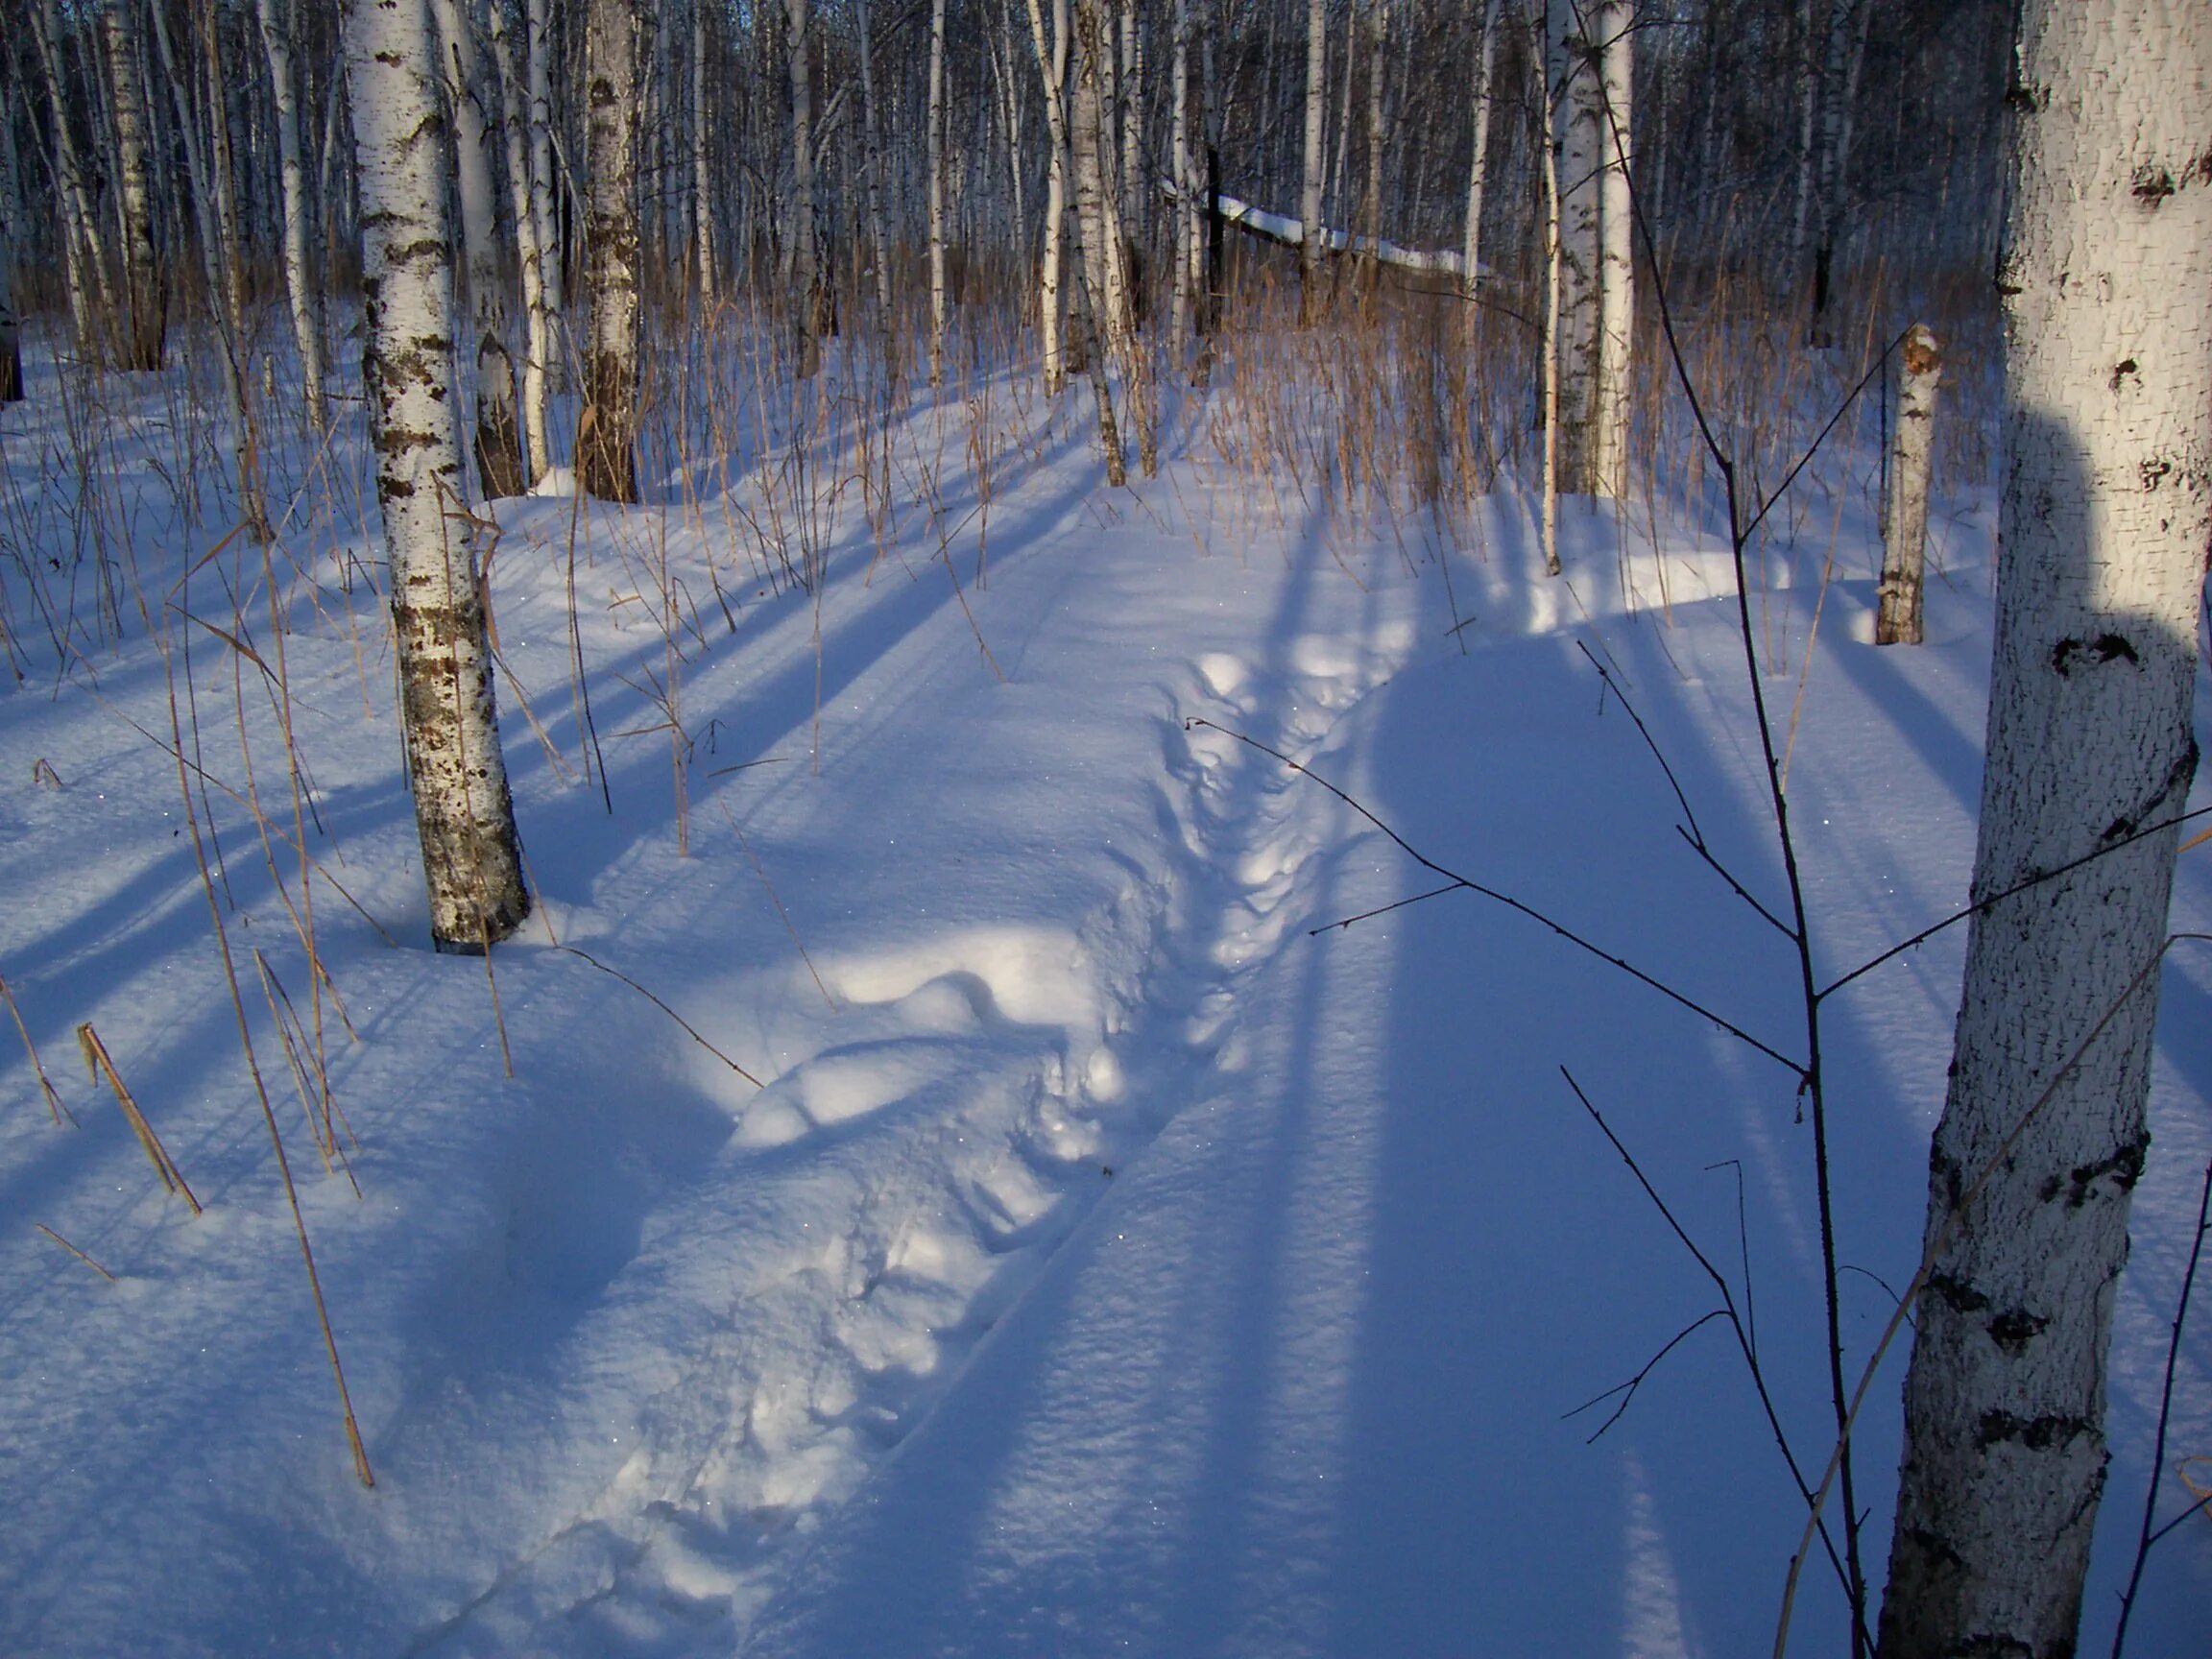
[938, 314]
[702, 169]
[1904, 515]
[1052, 69]
[231, 263]
[299, 285]
[550, 352]
[1185, 186]
[607, 431]
[2105, 515]
[463, 812]
[1478, 171]
[872, 127]
[1310, 190]
[1103, 273]
[806, 294]
[529, 247]
[143, 328]
[84, 256]
[1371, 195]
[1577, 133]
[1616, 252]
[1847, 51]
[498, 436]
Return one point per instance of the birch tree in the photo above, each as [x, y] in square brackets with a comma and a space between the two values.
[808, 297]
[530, 245]
[607, 431]
[11, 233]
[300, 286]
[143, 328]
[1616, 252]
[938, 310]
[1310, 190]
[1478, 166]
[1576, 104]
[497, 443]
[463, 812]
[1052, 69]
[2105, 515]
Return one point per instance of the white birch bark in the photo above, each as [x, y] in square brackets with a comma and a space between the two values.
[1185, 186]
[497, 443]
[1104, 274]
[1617, 252]
[1052, 69]
[143, 326]
[530, 251]
[2105, 515]
[1130, 93]
[938, 310]
[299, 287]
[607, 431]
[83, 254]
[230, 261]
[1310, 189]
[550, 353]
[1577, 131]
[1905, 513]
[1479, 168]
[463, 812]
[872, 127]
[1378, 46]
[806, 294]
[702, 166]
[1847, 51]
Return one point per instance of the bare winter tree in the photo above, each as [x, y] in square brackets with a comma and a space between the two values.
[2106, 513]
[143, 328]
[1310, 188]
[463, 812]
[607, 432]
[300, 286]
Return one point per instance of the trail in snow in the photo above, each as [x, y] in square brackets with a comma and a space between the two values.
[1107, 1264]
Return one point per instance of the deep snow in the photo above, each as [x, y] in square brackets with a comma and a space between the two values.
[1107, 1263]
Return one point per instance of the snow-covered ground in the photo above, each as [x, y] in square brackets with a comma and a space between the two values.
[1104, 1261]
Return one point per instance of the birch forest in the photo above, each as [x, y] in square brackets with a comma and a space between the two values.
[1329, 828]
[1105, 192]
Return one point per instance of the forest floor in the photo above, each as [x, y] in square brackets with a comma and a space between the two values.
[1096, 1257]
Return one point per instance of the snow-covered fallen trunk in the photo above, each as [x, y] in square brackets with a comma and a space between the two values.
[1291, 233]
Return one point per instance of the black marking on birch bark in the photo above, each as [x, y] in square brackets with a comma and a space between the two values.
[2155, 471]
[2014, 1328]
[2105, 648]
[2037, 1433]
[2123, 369]
[2153, 184]
[2124, 1169]
[1984, 1645]
[2026, 97]
[1961, 1296]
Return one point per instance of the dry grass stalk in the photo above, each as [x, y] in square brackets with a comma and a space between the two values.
[96, 1063]
[73, 1251]
[54, 1103]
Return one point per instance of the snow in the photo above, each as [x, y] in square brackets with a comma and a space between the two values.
[1106, 1262]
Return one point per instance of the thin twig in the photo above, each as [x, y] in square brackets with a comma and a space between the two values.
[2165, 1418]
[688, 1029]
[1459, 880]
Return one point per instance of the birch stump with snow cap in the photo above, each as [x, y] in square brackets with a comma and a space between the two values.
[1905, 513]
[463, 812]
[2107, 510]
